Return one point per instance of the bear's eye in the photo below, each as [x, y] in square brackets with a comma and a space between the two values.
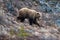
[37, 13]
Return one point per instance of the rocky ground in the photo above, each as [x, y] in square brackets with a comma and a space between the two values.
[12, 29]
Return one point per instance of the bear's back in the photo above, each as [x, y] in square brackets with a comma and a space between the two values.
[27, 10]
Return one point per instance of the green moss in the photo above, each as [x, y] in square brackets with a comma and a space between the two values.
[22, 32]
[12, 32]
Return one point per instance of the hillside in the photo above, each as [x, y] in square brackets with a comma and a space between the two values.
[13, 29]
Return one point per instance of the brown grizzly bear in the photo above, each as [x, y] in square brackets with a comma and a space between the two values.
[31, 15]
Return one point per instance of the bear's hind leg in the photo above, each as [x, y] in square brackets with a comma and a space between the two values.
[22, 19]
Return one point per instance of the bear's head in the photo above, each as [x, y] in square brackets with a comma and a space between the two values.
[37, 15]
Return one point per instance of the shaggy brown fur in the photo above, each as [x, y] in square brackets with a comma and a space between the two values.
[31, 15]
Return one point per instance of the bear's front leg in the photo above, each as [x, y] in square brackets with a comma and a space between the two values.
[35, 22]
[31, 21]
[18, 18]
